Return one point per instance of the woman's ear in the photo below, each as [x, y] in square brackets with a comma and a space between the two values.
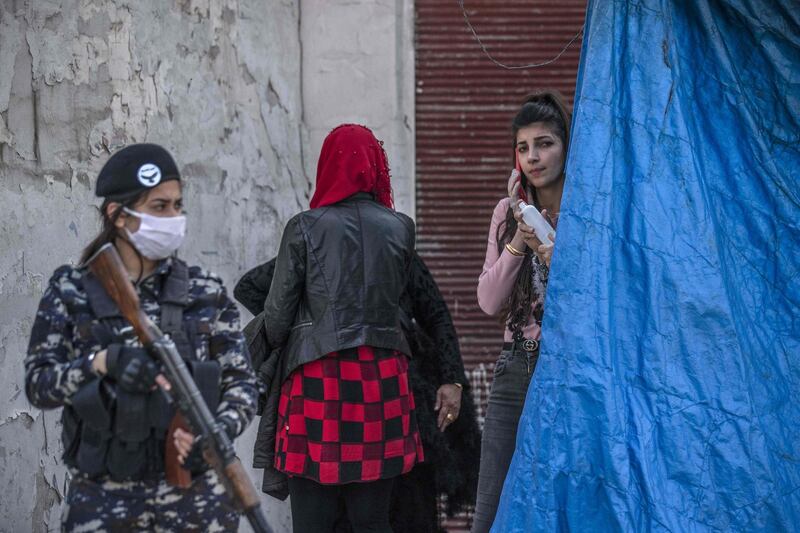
[112, 208]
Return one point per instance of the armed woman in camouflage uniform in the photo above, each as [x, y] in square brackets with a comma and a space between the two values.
[84, 357]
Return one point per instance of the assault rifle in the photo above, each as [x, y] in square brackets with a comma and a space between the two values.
[218, 451]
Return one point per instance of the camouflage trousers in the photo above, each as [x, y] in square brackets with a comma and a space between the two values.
[103, 505]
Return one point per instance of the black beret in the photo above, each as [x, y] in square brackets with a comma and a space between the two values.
[135, 168]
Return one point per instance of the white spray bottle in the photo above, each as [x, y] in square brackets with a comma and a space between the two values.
[540, 225]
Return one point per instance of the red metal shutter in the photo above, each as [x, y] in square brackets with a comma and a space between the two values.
[464, 106]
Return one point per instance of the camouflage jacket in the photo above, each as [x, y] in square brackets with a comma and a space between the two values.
[63, 338]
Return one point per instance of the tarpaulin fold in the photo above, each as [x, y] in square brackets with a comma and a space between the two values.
[667, 394]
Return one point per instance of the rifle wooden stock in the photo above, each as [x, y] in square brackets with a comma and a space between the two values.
[177, 476]
[107, 266]
[236, 481]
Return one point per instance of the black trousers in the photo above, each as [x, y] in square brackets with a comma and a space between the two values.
[315, 506]
[414, 504]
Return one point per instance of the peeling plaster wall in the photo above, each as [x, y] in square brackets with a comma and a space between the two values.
[218, 83]
[241, 91]
[358, 66]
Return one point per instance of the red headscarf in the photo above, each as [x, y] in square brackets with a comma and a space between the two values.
[352, 160]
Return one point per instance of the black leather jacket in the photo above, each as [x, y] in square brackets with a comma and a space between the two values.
[436, 359]
[340, 273]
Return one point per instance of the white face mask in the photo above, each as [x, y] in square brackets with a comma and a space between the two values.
[157, 237]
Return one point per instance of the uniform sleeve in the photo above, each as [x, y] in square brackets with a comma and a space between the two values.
[431, 313]
[499, 269]
[51, 375]
[239, 392]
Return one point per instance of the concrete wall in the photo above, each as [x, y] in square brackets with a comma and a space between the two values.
[77, 81]
[358, 66]
[241, 91]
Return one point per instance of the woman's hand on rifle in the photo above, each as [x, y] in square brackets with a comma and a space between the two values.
[190, 447]
[184, 442]
[132, 368]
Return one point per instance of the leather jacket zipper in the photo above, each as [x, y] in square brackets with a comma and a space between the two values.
[302, 325]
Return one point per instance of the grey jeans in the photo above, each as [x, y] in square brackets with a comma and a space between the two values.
[512, 374]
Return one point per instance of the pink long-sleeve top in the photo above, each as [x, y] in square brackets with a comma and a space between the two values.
[499, 274]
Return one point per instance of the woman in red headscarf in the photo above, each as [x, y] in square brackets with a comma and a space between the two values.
[346, 424]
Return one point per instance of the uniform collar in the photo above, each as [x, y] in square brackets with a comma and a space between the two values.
[163, 268]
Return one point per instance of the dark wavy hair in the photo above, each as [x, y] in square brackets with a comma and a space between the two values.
[546, 106]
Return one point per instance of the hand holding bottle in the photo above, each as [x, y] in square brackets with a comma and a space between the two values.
[536, 220]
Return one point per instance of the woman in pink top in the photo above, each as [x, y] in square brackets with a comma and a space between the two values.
[513, 283]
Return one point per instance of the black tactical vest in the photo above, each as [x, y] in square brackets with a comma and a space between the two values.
[109, 431]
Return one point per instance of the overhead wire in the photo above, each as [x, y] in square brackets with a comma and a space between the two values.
[513, 67]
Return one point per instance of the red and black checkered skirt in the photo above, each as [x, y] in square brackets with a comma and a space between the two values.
[348, 417]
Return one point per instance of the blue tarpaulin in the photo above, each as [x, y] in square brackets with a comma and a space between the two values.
[667, 395]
